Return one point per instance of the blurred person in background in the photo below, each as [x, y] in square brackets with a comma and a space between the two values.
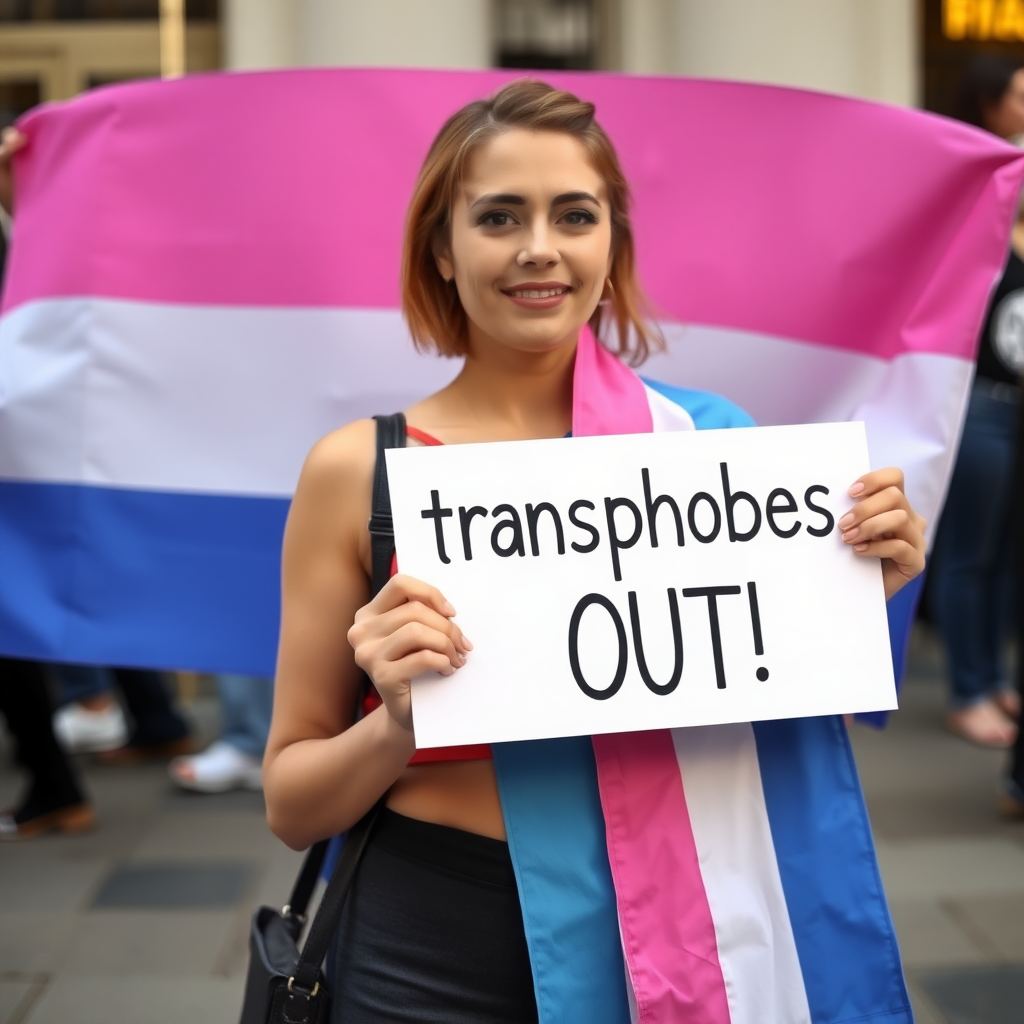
[235, 759]
[53, 799]
[1012, 798]
[90, 718]
[972, 589]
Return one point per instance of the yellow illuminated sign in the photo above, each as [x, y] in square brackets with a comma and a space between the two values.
[1001, 20]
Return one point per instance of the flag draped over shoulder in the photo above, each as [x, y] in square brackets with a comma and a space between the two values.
[721, 875]
[204, 281]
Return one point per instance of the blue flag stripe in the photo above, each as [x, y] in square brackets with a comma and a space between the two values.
[555, 828]
[140, 578]
[844, 936]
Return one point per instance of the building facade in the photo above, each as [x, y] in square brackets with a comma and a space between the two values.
[908, 52]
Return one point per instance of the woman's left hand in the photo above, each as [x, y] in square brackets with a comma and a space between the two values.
[883, 525]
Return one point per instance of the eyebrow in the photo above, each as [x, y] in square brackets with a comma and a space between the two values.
[511, 199]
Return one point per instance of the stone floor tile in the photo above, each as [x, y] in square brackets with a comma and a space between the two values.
[138, 1000]
[35, 941]
[215, 803]
[977, 995]
[925, 1011]
[36, 883]
[280, 868]
[15, 991]
[236, 834]
[929, 937]
[951, 868]
[129, 943]
[998, 922]
[178, 885]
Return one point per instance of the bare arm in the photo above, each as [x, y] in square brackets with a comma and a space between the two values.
[321, 771]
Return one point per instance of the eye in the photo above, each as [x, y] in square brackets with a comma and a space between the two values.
[497, 219]
[579, 218]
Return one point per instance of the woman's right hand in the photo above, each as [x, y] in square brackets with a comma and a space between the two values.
[404, 631]
[11, 140]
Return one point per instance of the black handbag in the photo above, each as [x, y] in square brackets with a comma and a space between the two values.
[284, 985]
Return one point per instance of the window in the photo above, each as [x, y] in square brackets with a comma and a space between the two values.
[556, 34]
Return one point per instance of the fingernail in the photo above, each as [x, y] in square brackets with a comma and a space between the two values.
[850, 535]
[846, 521]
[460, 660]
[860, 547]
[466, 642]
[856, 489]
[448, 609]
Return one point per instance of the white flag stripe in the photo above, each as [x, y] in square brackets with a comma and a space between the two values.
[179, 398]
[756, 946]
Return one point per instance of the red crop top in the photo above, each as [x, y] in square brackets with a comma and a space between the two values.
[474, 752]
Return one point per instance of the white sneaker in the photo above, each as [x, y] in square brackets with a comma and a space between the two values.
[79, 730]
[217, 769]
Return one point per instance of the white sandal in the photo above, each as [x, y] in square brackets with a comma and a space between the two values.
[217, 769]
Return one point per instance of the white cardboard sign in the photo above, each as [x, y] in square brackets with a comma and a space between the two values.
[643, 581]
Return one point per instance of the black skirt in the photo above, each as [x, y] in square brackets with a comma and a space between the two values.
[432, 932]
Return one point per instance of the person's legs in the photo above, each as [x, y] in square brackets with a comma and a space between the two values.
[156, 722]
[1012, 802]
[234, 761]
[53, 799]
[88, 718]
[80, 683]
[246, 706]
[968, 569]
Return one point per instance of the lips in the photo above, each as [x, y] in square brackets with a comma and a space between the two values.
[537, 290]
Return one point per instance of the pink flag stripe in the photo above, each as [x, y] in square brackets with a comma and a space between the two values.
[661, 924]
[744, 196]
[606, 398]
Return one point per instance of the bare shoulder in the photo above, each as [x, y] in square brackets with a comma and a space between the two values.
[337, 477]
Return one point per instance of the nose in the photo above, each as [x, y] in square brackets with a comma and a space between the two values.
[539, 250]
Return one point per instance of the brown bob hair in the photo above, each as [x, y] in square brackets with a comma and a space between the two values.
[431, 306]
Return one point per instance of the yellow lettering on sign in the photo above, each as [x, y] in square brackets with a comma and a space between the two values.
[983, 19]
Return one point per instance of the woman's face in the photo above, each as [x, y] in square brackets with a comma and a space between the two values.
[530, 246]
[1006, 118]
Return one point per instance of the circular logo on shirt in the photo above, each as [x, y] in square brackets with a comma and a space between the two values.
[1008, 331]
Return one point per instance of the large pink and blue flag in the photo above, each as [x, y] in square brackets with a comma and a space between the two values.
[204, 281]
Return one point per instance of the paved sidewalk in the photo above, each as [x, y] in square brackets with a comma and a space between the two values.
[145, 921]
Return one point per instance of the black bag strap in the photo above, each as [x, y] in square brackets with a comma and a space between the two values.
[305, 883]
[390, 434]
[302, 986]
[307, 970]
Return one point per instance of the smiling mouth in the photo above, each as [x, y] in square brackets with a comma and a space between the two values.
[536, 293]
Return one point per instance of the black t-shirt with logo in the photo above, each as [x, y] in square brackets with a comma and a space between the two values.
[1001, 351]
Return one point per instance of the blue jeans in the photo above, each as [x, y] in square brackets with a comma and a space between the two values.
[80, 682]
[972, 585]
[246, 705]
[145, 693]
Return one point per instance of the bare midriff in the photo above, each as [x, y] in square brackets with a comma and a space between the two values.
[459, 794]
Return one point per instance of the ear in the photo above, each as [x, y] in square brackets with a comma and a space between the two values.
[441, 252]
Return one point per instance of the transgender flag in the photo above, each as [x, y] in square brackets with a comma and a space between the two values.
[204, 281]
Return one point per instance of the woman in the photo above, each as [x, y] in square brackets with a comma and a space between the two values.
[971, 588]
[518, 237]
